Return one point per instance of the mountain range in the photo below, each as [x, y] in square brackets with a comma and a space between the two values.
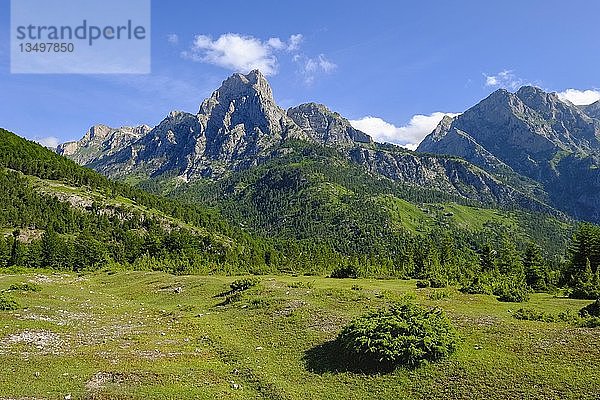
[528, 149]
[241, 127]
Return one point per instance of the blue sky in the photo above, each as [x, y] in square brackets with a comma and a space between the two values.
[401, 63]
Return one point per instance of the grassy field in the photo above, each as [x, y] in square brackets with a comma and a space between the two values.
[143, 335]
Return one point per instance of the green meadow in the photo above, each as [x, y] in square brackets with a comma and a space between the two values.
[150, 335]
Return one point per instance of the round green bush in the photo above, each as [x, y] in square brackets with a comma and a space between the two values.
[346, 271]
[7, 304]
[422, 284]
[476, 286]
[403, 335]
[512, 292]
[242, 284]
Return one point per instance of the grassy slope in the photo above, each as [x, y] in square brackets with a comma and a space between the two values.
[129, 335]
[86, 195]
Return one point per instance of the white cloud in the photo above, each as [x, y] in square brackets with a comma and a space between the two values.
[311, 67]
[409, 135]
[504, 79]
[241, 53]
[294, 42]
[276, 43]
[173, 38]
[49, 141]
[580, 97]
[319, 64]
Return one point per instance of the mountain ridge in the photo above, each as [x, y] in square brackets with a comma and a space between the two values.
[534, 134]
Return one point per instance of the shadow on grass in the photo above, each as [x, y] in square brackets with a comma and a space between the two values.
[329, 357]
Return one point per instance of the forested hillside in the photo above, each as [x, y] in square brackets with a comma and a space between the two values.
[315, 204]
[84, 220]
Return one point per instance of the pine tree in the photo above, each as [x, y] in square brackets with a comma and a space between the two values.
[535, 268]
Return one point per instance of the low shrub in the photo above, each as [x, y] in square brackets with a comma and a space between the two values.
[476, 287]
[512, 291]
[231, 298]
[345, 271]
[437, 282]
[24, 287]
[242, 284]
[403, 335]
[591, 310]
[7, 304]
[422, 284]
[438, 295]
[300, 285]
[531, 314]
[589, 322]
[260, 302]
[568, 316]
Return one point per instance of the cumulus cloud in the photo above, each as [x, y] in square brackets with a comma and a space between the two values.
[310, 68]
[580, 97]
[241, 53]
[504, 79]
[172, 38]
[49, 141]
[409, 135]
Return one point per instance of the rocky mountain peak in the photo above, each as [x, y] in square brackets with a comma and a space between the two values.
[442, 128]
[326, 126]
[100, 141]
[240, 88]
[540, 101]
[592, 110]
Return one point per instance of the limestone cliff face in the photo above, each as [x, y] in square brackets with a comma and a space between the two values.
[452, 176]
[101, 141]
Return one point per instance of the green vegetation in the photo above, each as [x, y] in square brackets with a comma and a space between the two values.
[111, 334]
[402, 335]
[531, 314]
[24, 287]
[592, 310]
[242, 284]
[8, 304]
[119, 328]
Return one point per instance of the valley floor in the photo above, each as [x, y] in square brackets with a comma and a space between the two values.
[149, 335]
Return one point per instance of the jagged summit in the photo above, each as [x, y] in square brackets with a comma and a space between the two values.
[237, 87]
[236, 127]
[326, 126]
[101, 141]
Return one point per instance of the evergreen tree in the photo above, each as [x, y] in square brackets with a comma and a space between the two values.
[535, 268]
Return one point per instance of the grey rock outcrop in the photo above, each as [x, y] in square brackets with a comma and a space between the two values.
[101, 141]
[325, 126]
